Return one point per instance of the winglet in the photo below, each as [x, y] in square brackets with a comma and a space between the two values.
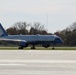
[2, 31]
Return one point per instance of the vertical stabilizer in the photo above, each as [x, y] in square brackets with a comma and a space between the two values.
[2, 31]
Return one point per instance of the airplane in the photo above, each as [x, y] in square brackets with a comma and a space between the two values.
[26, 40]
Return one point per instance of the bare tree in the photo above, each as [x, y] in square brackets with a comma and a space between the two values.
[18, 28]
[20, 25]
[37, 28]
[71, 27]
[22, 28]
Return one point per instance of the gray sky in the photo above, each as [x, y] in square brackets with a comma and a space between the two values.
[54, 14]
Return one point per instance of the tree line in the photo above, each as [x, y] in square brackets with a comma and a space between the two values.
[27, 29]
[68, 35]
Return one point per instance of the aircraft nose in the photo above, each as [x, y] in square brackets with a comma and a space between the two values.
[58, 40]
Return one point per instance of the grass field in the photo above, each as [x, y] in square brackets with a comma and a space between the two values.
[39, 48]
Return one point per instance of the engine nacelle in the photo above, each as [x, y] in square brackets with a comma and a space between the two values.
[46, 45]
[23, 44]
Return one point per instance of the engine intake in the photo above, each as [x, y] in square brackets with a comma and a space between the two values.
[23, 44]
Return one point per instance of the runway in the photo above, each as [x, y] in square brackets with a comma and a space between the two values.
[37, 62]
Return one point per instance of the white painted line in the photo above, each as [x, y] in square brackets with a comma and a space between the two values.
[37, 61]
[11, 64]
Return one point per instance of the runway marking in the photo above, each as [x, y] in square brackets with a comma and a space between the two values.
[11, 64]
[38, 61]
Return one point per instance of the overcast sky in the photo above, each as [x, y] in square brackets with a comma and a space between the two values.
[54, 14]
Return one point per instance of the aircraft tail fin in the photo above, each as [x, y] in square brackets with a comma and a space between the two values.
[2, 31]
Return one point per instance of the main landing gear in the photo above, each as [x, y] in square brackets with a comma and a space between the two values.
[20, 47]
[33, 47]
[53, 47]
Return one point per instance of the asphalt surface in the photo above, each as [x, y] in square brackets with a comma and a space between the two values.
[37, 62]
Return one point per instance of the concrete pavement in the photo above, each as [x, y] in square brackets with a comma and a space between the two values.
[37, 62]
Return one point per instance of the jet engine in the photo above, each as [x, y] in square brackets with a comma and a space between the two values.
[23, 44]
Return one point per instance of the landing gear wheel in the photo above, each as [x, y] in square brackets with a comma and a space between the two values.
[20, 47]
[33, 47]
[53, 48]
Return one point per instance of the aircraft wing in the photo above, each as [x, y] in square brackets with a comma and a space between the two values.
[12, 41]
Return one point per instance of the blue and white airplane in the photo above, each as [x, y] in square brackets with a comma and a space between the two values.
[26, 40]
